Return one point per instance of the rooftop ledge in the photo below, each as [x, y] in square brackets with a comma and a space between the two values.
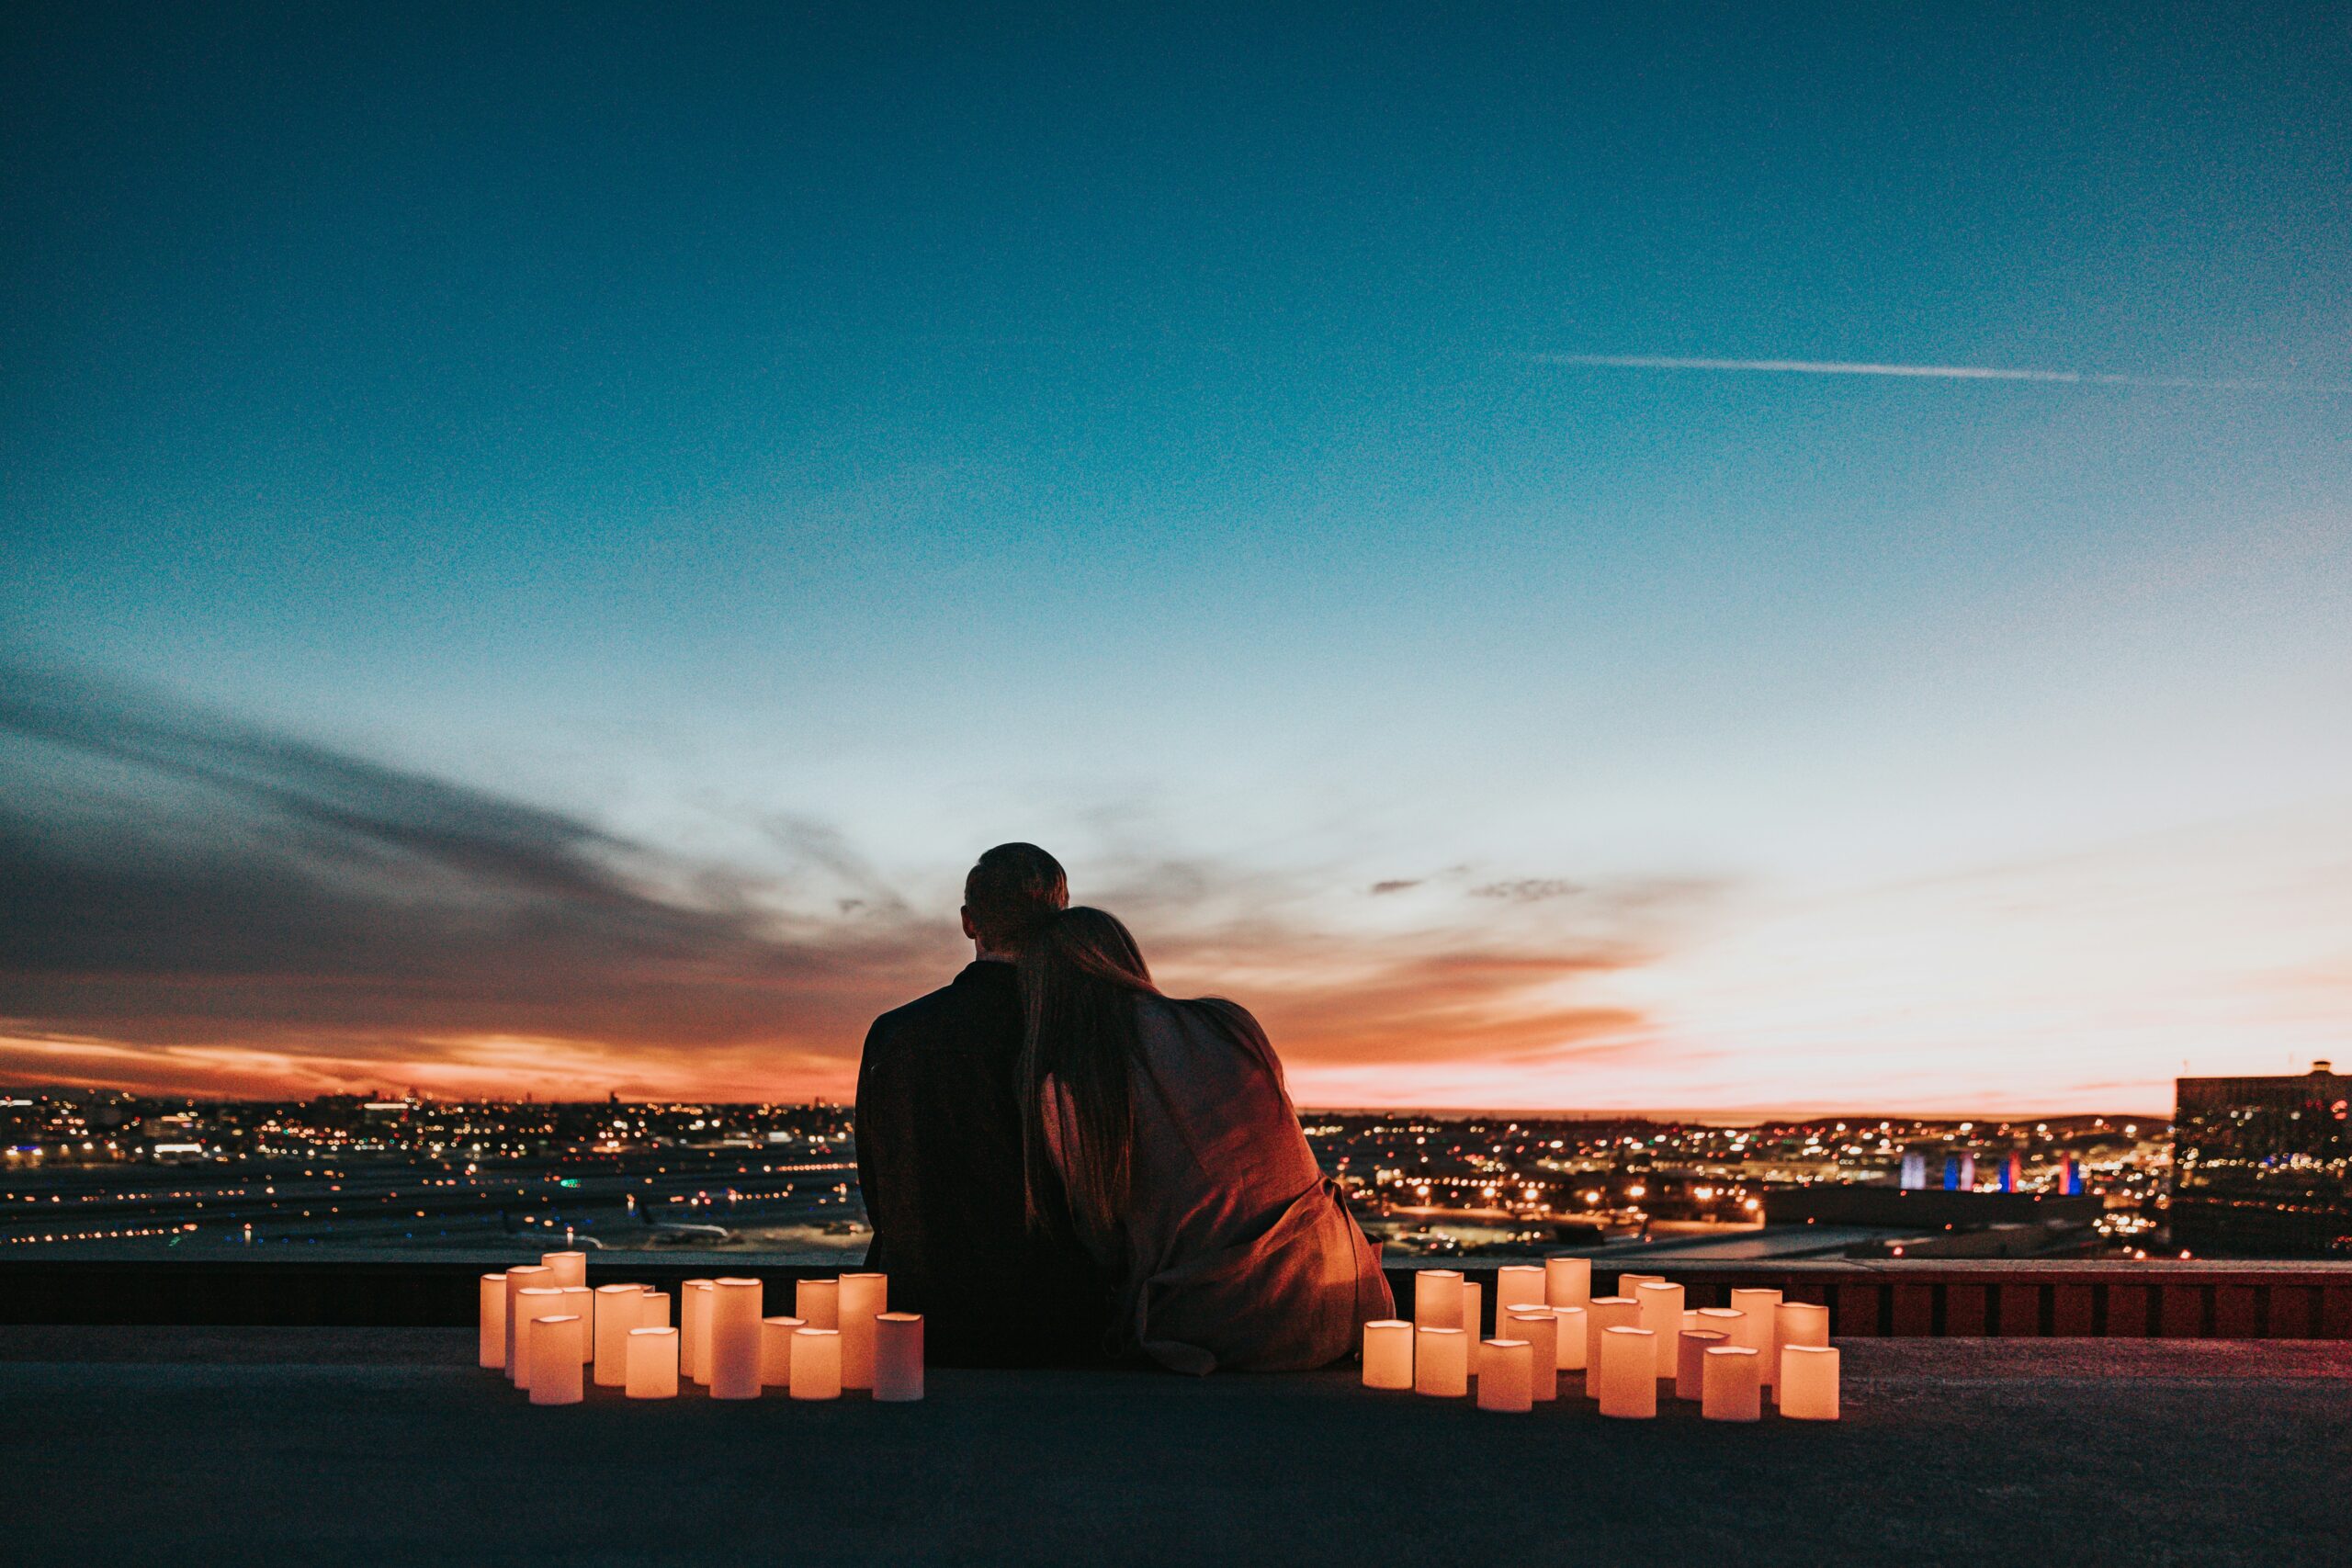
[1895, 1298]
[387, 1446]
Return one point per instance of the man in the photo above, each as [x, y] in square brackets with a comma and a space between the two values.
[939, 1148]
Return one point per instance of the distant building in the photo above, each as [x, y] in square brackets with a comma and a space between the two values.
[2263, 1167]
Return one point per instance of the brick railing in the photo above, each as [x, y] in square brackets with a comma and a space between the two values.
[2170, 1300]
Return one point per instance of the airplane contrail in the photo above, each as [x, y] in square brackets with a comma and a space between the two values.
[1930, 372]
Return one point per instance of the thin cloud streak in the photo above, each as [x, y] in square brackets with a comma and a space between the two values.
[1933, 372]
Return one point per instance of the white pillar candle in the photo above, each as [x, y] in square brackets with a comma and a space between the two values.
[897, 1358]
[1629, 1283]
[555, 1357]
[617, 1316]
[1605, 1313]
[521, 1278]
[1757, 1332]
[1691, 1320]
[493, 1321]
[530, 1302]
[1727, 1386]
[1567, 1281]
[1389, 1353]
[1691, 1361]
[654, 1311]
[653, 1363]
[775, 1350]
[1517, 1286]
[1661, 1309]
[1542, 1331]
[1505, 1368]
[1437, 1299]
[1808, 1383]
[581, 1301]
[863, 1298]
[571, 1267]
[816, 1303]
[1571, 1338]
[731, 1339]
[1797, 1323]
[816, 1364]
[694, 1329]
[1720, 1320]
[1628, 1372]
[1474, 1314]
[1442, 1363]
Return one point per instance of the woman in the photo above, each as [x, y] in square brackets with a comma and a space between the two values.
[1160, 1133]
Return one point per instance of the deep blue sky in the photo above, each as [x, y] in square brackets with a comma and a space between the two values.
[1115, 426]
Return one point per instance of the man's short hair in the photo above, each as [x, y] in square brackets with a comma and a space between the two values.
[1010, 891]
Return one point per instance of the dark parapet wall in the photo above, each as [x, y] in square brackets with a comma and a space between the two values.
[1897, 1299]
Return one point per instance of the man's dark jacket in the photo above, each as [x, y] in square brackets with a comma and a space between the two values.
[939, 1158]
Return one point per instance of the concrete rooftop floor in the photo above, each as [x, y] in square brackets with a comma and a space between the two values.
[325, 1447]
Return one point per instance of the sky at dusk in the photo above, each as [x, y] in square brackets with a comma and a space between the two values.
[537, 543]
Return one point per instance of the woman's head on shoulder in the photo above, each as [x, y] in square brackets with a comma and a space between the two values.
[1084, 943]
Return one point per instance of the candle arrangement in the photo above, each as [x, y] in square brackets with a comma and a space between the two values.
[1632, 1349]
[554, 1337]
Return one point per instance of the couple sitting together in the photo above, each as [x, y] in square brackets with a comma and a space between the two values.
[1063, 1166]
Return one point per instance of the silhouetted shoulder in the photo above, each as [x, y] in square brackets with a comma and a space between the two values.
[1235, 1021]
[981, 1001]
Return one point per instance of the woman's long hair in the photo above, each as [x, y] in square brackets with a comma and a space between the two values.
[1080, 975]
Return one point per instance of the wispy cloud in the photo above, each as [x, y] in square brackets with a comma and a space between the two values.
[174, 880]
[1933, 372]
[189, 903]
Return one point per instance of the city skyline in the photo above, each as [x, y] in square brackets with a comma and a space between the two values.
[1733, 562]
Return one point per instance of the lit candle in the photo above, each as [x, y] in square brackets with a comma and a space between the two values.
[1629, 1283]
[775, 1350]
[616, 1316]
[1721, 1320]
[493, 1321]
[1690, 1362]
[897, 1358]
[1567, 1281]
[1755, 1334]
[1505, 1368]
[1474, 1310]
[1691, 1320]
[581, 1301]
[1661, 1309]
[653, 1364]
[816, 1364]
[1727, 1386]
[1442, 1363]
[1517, 1286]
[1389, 1353]
[863, 1299]
[731, 1339]
[1571, 1338]
[694, 1329]
[556, 1360]
[654, 1311]
[571, 1267]
[1628, 1372]
[531, 1302]
[521, 1278]
[816, 1303]
[1797, 1323]
[1808, 1383]
[1437, 1299]
[1541, 1331]
[1605, 1313]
